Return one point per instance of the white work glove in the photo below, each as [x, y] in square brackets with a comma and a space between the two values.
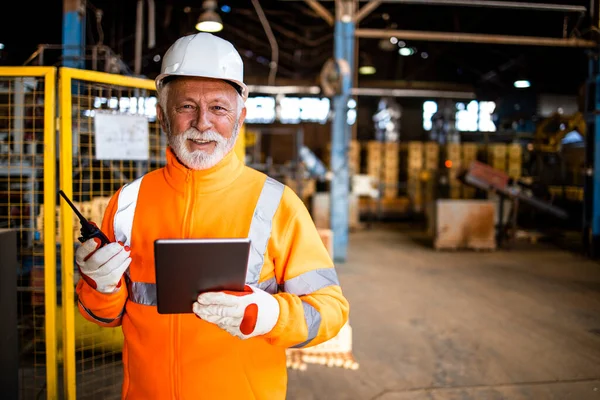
[102, 268]
[246, 314]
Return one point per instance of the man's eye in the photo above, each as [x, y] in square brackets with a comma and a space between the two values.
[219, 108]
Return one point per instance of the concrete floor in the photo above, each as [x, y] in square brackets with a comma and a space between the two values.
[519, 324]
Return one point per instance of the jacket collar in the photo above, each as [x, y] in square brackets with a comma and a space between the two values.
[203, 181]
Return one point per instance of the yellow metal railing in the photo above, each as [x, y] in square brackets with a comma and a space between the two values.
[90, 356]
[92, 364]
[27, 155]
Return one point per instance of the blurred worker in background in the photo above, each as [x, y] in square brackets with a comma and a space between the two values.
[233, 345]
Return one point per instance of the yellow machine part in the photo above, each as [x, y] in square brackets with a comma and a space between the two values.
[548, 138]
[89, 334]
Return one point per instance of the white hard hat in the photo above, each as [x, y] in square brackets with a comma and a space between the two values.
[203, 55]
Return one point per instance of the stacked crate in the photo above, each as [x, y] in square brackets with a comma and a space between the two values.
[469, 154]
[432, 165]
[515, 160]
[390, 169]
[497, 156]
[415, 166]
[453, 158]
[374, 160]
[432, 156]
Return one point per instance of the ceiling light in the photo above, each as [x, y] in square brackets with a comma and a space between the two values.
[406, 51]
[367, 70]
[424, 55]
[402, 43]
[225, 8]
[522, 84]
[1, 46]
[366, 65]
[393, 40]
[209, 26]
[209, 20]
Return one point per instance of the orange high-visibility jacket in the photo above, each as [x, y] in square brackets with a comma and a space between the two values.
[180, 356]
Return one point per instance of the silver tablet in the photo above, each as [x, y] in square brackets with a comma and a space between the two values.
[187, 267]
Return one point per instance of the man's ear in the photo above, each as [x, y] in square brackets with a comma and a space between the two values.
[242, 117]
[162, 118]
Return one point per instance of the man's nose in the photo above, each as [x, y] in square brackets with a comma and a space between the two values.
[202, 120]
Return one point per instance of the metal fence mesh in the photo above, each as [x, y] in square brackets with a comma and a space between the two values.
[21, 198]
[98, 350]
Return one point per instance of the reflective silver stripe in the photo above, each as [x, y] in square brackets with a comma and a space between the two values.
[100, 319]
[269, 286]
[145, 293]
[123, 221]
[260, 227]
[142, 293]
[311, 281]
[313, 322]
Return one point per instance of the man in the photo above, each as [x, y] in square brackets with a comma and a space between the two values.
[233, 345]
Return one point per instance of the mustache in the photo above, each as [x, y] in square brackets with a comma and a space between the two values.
[195, 134]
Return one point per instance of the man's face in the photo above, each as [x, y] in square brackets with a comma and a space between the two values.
[201, 118]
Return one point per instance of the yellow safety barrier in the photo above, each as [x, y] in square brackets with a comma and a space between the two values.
[92, 166]
[28, 189]
[98, 112]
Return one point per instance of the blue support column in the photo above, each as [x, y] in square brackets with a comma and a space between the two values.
[340, 136]
[73, 37]
[595, 222]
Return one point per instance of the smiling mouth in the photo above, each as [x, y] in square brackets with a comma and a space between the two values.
[201, 142]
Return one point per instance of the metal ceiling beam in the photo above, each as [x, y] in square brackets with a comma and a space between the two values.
[321, 11]
[366, 10]
[415, 85]
[419, 93]
[291, 89]
[519, 5]
[474, 38]
[364, 91]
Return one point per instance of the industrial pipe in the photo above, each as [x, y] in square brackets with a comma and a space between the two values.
[138, 37]
[151, 24]
[272, 41]
[270, 89]
[366, 10]
[474, 38]
[321, 11]
[520, 5]
[405, 93]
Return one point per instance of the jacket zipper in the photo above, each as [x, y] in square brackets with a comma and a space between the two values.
[185, 233]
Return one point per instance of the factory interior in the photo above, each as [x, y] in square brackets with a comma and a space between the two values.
[448, 152]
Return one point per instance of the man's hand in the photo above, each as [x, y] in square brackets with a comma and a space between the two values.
[102, 268]
[247, 314]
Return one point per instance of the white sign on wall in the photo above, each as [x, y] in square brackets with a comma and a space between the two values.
[121, 136]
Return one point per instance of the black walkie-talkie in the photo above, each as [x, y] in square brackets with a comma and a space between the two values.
[88, 229]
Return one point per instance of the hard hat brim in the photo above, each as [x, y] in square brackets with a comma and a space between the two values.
[160, 82]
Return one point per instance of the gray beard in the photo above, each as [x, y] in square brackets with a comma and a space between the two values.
[200, 159]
